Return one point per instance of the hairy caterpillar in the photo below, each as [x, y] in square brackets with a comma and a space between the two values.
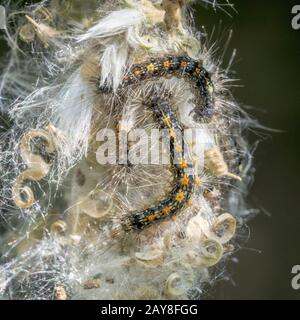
[179, 66]
[184, 180]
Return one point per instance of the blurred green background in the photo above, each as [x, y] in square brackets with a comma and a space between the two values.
[268, 66]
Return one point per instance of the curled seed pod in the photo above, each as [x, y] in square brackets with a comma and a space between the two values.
[97, 205]
[27, 33]
[150, 258]
[58, 227]
[215, 162]
[38, 168]
[25, 148]
[22, 195]
[211, 252]
[175, 285]
[223, 228]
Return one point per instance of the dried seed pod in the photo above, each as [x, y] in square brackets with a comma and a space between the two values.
[175, 285]
[38, 168]
[27, 33]
[223, 228]
[211, 252]
[22, 195]
[25, 148]
[58, 227]
[216, 164]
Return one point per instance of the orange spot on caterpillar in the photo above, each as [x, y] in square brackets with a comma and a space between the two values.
[183, 164]
[179, 196]
[152, 217]
[167, 121]
[138, 72]
[172, 133]
[166, 210]
[167, 64]
[185, 180]
[151, 67]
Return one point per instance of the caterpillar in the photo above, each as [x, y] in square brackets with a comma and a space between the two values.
[183, 173]
[190, 69]
[178, 66]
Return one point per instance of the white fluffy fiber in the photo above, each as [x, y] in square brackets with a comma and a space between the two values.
[43, 83]
[115, 23]
[72, 114]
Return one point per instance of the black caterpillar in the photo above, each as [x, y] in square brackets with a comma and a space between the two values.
[178, 66]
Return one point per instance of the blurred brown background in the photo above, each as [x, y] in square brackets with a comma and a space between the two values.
[268, 66]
